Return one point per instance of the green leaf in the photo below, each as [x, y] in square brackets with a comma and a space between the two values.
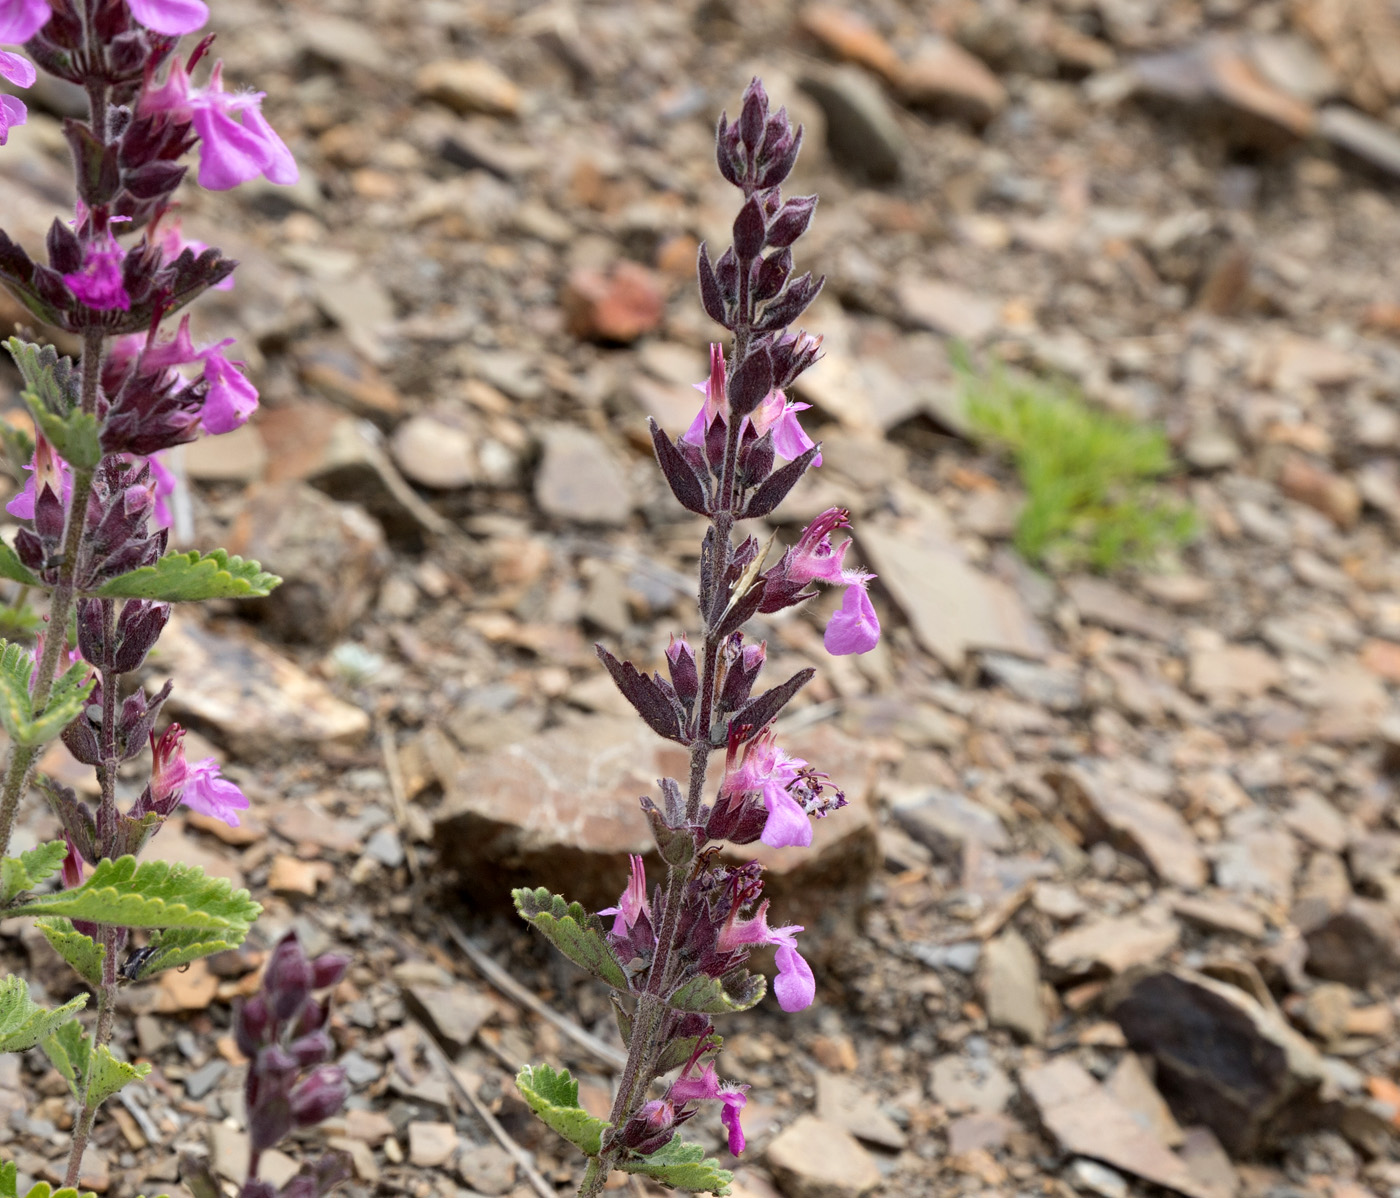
[29, 869]
[192, 576]
[152, 894]
[738, 990]
[91, 1078]
[16, 448]
[17, 716]
[22, 621]
[75, 436]
[14, 569]
[9, 1186]
[81, 952]
[554, 1098]
[23, 1022]
[574, 931]
[173, 947]
[49, 376]
[681, 1166]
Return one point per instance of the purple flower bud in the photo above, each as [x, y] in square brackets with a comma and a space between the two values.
[65, 250]
[684, 675]
[328, 969]
[792, 220]
[138, 628]
[743, 664]
[320, 1096]
[270, 1121]
[727, 275]
[749, 230]
[711, 298]
[287, 982]
[726, 143]
[251, 1025]
[771, 274]
[753, 116]
[780, 165]
[312, 1049]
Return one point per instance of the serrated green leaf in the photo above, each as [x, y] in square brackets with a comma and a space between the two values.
[151, 894]
[26, 871]
[14, 569]
[75, 436]
[51, 377]
[553, 1096]
[573, 930]
[17, 716]
[682, 1166]
[173, 947]
[23, 1022]
[81, 952]
[109, 1074]
[738, 990]
[192, 576]
[9, 1186]
[92, 1077]
[9, 1179]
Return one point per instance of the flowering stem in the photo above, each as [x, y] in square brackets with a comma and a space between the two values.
[19, 761]
[101, 1036]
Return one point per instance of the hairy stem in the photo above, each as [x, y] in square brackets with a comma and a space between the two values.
[101, 1036]
[20, 759]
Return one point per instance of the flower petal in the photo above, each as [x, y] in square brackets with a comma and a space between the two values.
[787, 823]
[22, 19]
[18, 70]
[170, 17]
[854, 627]
[795, 985]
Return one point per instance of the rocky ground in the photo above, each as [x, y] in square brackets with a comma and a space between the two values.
[1114, 907]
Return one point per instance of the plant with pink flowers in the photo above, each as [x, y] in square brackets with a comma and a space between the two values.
[675, 954]
[94, 540]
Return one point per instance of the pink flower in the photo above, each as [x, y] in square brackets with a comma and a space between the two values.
[170, 17]
[855, 628]
[231, 397]
[72, 870]
[708, 1088]
[166, 484]
[99, 283]
[199, 786]
[12, 113]
[237, 143]
[19, 71]
[775, 412]
[46, 469]
[22, 19]
[209, 793]
[633, 904]
[795, 985]
[791, 790]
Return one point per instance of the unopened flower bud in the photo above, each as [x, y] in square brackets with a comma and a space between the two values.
[313, 1049]
[251, 1025]
[684, 675]
[287, 983]
[320, 1096]
[328, 969]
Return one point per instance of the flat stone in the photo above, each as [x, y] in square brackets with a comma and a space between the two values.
[1216, 913]
[1089, 1121]
[431, 1145]
[615, 306]
[946, 79]
[1358, 945]
[964, 1083]
[842, 1101]
[362, 308]
[236, 457]
[1230, 672]
[435, 453]
[952, 606]
[848, 35]
[205, 1078]
[1256, 857]
[344, 42]
[1237, 1066]
[579, 481]
[468, 85]
[946, 822]
[564, 804]
[1148, 828]
[1009, 979]
[260, 703]
[489, 1169]
[1317, 821]
[331, 557]
[228, 1152]
[1130, 1084]
[861, 132]
[812, 1158]
[1369, 139]
[452, 1013]
[985, 1130]
[1091, 1177]
[1334, 495]
[946, 308]
[1059, 688]
[1116, 943]
[1108, 606]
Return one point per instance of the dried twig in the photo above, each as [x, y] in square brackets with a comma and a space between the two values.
[518, 1154]
[389, 750]
[482, 962]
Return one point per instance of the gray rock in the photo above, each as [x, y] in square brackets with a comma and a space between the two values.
[861, 130]
[204, 1079]
[434, 453]
[945, 821]
[1361, 135]
[816, 1159]
[1059, 689]
[841, 1101]
[579, 481]
[1009, 978]
[964, 1083]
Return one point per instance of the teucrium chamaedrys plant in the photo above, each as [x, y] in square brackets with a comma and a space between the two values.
[675, 955]
[93, 530]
